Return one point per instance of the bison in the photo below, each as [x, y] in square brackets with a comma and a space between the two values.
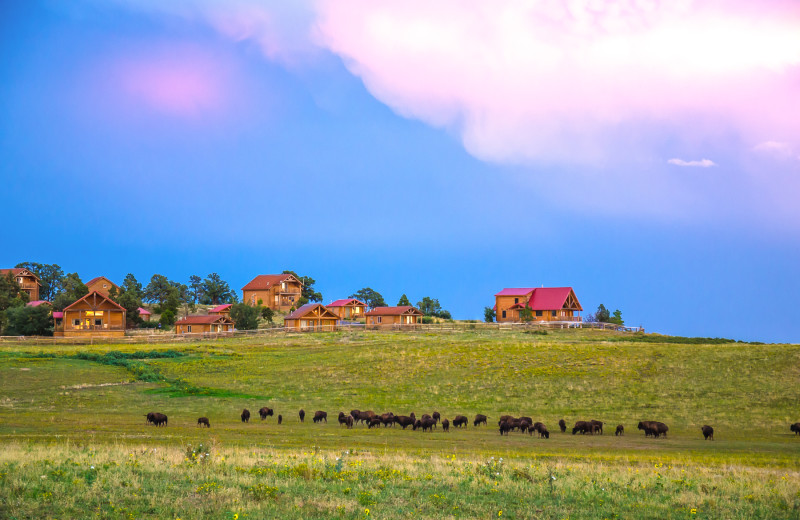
[245, 415]
[654, 428]
[362, 416]
[426, 424]
[302, 415]
[460, 421]
[320, 416]
[387, 419]
[265, 412]
[280, 418]
[563, 425]
[158, 419]
[149, 417]
[437, 417]
[581, 426]
[597, 426]
[404, 421]
[479, 419]
[620, 430]
[795, 428]
[544, 433]
[505, 427]
[374, 421]
[203, 421]
[445, 425]
[345, 420]
[708, 432]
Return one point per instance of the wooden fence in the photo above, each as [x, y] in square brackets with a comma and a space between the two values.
[139, 337]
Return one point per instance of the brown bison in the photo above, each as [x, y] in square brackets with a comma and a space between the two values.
[479, 419]
[445, 425]
[363, 417]
[426, 424]
[404, 421]
[597, 426]
[505, 427]
[581, 427]
[345, 420]
[280, 419]
[149, 417]
[302, 415]
[544, 433]
[387, 419]
[620, 430]
[374, 421]
[265, 412]
[795, 428]
[460, 421]
[708, 432]
[563, 425]
[437, 417]
[203, 421]
[157, 419]
[539, 428]
[320, 416]
[653, 428]
[245, 415]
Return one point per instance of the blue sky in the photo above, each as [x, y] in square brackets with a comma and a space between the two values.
[179, 141]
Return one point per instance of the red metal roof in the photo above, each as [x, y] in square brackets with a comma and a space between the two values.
[520, 291]
[348, 301]
[220, 308]
[393, 311]
[305, 309]
[36, 303]
[549, 298]
[265, 281]
[142, 310]
[58, 314]
[201, 320]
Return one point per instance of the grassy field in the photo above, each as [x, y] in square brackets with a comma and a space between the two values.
[63, 409]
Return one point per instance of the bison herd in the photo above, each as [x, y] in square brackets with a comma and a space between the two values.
[427, 423]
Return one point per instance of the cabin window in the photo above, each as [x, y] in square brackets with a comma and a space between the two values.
[539, 314]
[552, 313]
[504, 314]
[76, 322]
[516, 300]
[105, 286]
[98, 322]
[283, 286]
[379, 319]
[188, 328]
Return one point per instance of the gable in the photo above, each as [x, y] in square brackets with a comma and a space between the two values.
[94, 301]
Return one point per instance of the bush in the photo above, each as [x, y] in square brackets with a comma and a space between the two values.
[167, 318]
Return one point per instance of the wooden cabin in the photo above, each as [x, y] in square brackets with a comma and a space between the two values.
[145, 314]
[28, 282]
[544, 303]
[221, 310]
[390, 316]
[279, 292]
[348, 309]
[102, 285]
[204, 324]
[94, 315]
[311, 317]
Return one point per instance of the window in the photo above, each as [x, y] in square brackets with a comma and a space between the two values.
[105, 286]
[98, 322]
[552, 313]
[188, 328]
[516, 300]
[76, 322]
[538, 314]
[504, 314]
[379, 319]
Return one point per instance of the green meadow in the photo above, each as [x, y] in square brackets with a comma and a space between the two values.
[74, 441]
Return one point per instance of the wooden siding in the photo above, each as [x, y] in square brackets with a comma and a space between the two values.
[102, 285]
[276, 297]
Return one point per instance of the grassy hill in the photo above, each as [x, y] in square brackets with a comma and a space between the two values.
[66, 401]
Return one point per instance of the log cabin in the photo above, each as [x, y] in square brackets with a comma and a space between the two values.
[102, 285]
[145, 314]
[311, 317]
[279, 292]
[544, 303]
[94, 315]
[348, 309]
[390, 316]
[28, 282]
[204, 324]
[221, 310]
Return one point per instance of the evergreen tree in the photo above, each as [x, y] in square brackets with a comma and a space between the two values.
[371, 297]
[51, 278]
[73, 290]
[403, 301]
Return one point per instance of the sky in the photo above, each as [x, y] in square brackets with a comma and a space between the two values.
[645, 153]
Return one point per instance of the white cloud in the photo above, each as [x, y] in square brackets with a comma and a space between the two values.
[703, 163]
[775, 148]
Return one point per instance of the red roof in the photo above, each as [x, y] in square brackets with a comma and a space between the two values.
[58, 314]
[348, 301]
[265, 281]
[521, 291]
[142, 310]
[220, 308]
[305, 309]
[199, 320]
[549, 298]
[36, 303]
[393, 311]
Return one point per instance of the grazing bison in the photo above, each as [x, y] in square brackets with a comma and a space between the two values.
[653, 428]
[265, 412]
[320, 416]
[544, 433]
[437, 417]
[345, 420]
[563, 425]
[302, 415]
[374, 421]
[387, 419]
[460, 421]
[280, 418]
[363, 417]
[596, 426]
[505, 427]
[445, 425]
[539, 428]
[479, 419]
[581, 426]
[620, 430]
[426, 423]
[203, 421]
[149, 417]
[795, 428]
[158, 419]
[404, 420]
[708, 432]
[245, 415]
